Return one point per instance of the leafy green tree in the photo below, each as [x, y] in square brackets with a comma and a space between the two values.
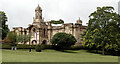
[20, 38]
[13, 37]
[103, 29]
[27, 38]
[63, 40]
[23, 38]
[3, 26]
[6, 40]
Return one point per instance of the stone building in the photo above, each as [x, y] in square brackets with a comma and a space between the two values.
[42, 32]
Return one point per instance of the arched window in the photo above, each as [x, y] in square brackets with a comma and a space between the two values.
[44, 42]
[34, 29]
[34, 42]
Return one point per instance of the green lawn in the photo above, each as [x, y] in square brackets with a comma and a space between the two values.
[55, 56]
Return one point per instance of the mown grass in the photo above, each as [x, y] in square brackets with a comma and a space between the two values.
[55, 56]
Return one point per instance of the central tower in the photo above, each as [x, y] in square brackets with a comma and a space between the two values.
[38, 16]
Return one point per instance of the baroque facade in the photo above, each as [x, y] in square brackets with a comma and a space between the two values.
[42, 32]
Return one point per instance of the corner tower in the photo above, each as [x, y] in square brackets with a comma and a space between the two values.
[79, 21]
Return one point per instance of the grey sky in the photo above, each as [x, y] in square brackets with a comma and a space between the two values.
[21, 12]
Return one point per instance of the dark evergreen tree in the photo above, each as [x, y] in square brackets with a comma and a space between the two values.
[3, 26]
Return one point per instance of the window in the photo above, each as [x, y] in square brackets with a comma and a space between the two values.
[34, 29]
[44, 32]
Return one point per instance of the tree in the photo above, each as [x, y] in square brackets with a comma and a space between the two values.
[6, 40]
[13, 37]
[103, 29]
[24, 38]
[27, 38]
[3, 26]
[63, 40]
[16, 38]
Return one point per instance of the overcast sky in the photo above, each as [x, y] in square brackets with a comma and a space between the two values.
[21, 12]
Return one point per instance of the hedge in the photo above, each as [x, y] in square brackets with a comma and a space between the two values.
[19, 46]
[23, 46]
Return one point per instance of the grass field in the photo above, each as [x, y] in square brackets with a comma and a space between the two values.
[55, 56]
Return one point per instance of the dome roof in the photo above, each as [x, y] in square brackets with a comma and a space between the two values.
[79, 21]
[38, 8]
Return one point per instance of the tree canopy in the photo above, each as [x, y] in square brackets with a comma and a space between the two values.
[63, 40]
[103, 29]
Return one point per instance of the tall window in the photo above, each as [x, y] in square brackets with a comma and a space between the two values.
[25, 32]
[44, 32]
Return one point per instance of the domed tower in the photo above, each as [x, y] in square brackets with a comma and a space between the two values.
[79, 21]
[38, 12]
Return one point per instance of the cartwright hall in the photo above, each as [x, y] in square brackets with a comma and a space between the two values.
[42, 31]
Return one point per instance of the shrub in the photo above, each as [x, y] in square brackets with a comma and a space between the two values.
[39, 47]
[63, 40]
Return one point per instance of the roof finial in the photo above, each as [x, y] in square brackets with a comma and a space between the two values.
[38, 5]
[79, 18]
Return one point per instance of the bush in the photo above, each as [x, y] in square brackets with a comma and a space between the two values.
[63, 40]
[39, 48]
